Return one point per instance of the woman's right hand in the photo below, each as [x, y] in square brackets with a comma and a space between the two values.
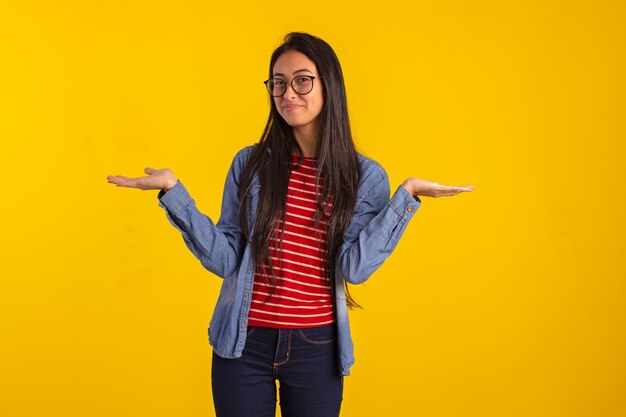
[157, 179]
[418, 186]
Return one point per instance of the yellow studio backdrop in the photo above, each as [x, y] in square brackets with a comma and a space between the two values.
[507, 301]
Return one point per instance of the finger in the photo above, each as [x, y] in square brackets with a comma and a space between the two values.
[149, 170]
[115, 179]
[121, 180]
[449, 191]
[458, 188]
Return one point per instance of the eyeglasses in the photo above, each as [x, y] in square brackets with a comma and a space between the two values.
[301, 84]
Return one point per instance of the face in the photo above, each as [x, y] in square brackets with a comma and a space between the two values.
[298, 110]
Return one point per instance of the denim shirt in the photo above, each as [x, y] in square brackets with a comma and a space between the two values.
[374, 231]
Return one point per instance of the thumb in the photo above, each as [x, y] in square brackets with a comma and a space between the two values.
[149, 170]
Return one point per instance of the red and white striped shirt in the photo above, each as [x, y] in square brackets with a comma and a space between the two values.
[302, 297]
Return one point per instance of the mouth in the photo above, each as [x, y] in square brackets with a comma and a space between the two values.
[292, 107]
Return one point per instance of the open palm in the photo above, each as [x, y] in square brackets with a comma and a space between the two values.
[418, 186]
[157, 179]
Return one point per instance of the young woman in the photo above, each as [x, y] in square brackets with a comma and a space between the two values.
[303, 214]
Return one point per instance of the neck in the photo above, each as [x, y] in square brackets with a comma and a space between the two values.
[306, 136]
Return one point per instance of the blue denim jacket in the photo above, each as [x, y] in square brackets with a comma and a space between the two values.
[376, 227]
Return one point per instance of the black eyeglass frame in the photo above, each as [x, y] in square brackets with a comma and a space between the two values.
[312, 77]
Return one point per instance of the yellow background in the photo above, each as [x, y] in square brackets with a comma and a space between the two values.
[508, 301]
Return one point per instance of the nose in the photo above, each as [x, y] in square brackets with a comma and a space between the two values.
[289, 91]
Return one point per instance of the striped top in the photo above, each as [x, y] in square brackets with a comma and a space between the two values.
[302, 297]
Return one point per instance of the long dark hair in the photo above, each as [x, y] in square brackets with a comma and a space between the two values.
[337, 161]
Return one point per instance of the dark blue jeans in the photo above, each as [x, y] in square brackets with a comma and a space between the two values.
[303, 361]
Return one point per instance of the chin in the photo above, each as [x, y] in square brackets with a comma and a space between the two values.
[294, 122]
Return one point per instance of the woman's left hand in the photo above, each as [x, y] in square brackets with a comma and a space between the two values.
[420, 187]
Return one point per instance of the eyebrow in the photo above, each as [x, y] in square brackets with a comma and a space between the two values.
[296, 71]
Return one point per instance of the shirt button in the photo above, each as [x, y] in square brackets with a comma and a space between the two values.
[409, 209]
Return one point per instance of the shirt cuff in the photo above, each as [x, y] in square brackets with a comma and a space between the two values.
[404, 204]
[175, 199]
